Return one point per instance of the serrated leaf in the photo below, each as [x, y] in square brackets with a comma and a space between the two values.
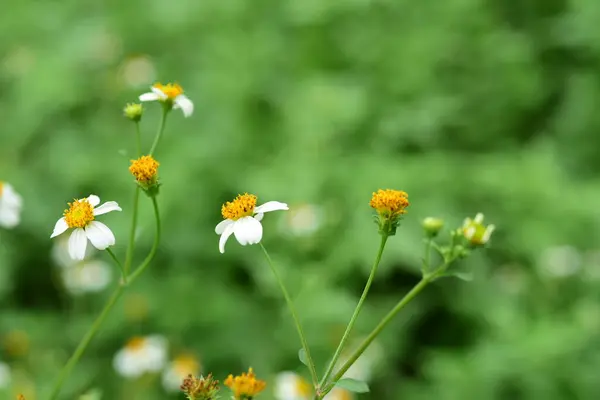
[302, 357]
[353, 385]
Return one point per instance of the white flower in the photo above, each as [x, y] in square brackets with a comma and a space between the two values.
[178, 370]
[141, 355]
[291, 386]
[475, 232]
[338, 394]
[242, 219]
[172, 94]
[80, 216]
[87, 276]
[4, 375]
[10, 206]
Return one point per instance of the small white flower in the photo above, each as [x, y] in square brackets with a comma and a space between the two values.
[5, 375]
[475, 232]
[80, 216]
[291, 386]
[10, 206]
[339, 394]
[178, 370]
[242, 219]
[172, 94]
[141, 355]
[87, 276]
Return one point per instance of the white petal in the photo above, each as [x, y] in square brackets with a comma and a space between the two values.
[248, 230]
[60, 227]
[271, 206]
[470, 232]
[126, 364]
[9, 216]
[9, 197]
[259, 217]
[479, 218]
[93, 200]
[107, 207]
[100, 235]
[220, 228]
[77, 244]
[224, 236]
[488, 233]
[185, 104]
[149, 97]
[161, 95]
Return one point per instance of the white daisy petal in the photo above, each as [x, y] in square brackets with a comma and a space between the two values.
[161, 95]
[107, 207]
[185, 104]
[9, 197]
[100, 235]
[271, 206]
[77, 244]
[149, 97]
[93, 200]
[224, 236]
[9, 216]
[60, 227]
[248, 231]
[220, 228]
[259, 216]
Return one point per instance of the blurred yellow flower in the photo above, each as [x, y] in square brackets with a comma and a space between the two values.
[245, 386]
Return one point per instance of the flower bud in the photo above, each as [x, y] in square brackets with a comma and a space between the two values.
[133, 111]
[432, 226]
[145, 171]
[200, 388]
[390, 206]
[475, 232]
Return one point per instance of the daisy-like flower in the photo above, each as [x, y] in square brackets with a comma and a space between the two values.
[475, 232]
[390, 206]
[242, 218]
[141, 355]
[245, 386]
[291, 386]
[80, 217]
[178, 370]
[171, 95]
[10, 206]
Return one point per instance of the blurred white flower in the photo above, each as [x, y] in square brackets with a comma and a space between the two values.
[80, 216]
[60, 253]
[339, 394]
[304, 220]
[87, 276]
[178, 370]
[171, 94]
[5, 375]
[560, 261]
[242, 218]
[291, 386]
[141, 355]
[10, 206]
[138, 71]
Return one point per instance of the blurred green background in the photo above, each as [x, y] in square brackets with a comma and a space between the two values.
[468, 105]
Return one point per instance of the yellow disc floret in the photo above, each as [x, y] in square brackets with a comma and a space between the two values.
[136, 343]
[390, 202]
[144, 169]
[245, 386]
[79, 214]
[241, 206]
[171, 90]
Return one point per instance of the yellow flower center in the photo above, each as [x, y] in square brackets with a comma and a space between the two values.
[144, 169]
[185, 365]
[245, 385]
[241, 206]
[136, 343]
[171, 90]
[390, 202]
[79, 214]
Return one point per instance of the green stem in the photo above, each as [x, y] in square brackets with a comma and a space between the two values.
[66, 370]
[131, 245]
[375, 332]
[427, 257]
[150, 256]
[116, 260]
[161, 128]
[138, 138]
[357, 310]
[311, 364]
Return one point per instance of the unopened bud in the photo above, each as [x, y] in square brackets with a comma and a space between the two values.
[432, 226]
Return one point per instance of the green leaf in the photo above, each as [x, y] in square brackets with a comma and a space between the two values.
[353, 385]
[302, 356]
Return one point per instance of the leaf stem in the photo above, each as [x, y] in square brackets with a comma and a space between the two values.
[161, 128]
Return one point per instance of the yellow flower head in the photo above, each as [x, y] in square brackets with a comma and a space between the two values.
[475, 232]
[171, 90]
[242, 206]
[245, 386]
[390, 206]
[79, 214]
[144, 169]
